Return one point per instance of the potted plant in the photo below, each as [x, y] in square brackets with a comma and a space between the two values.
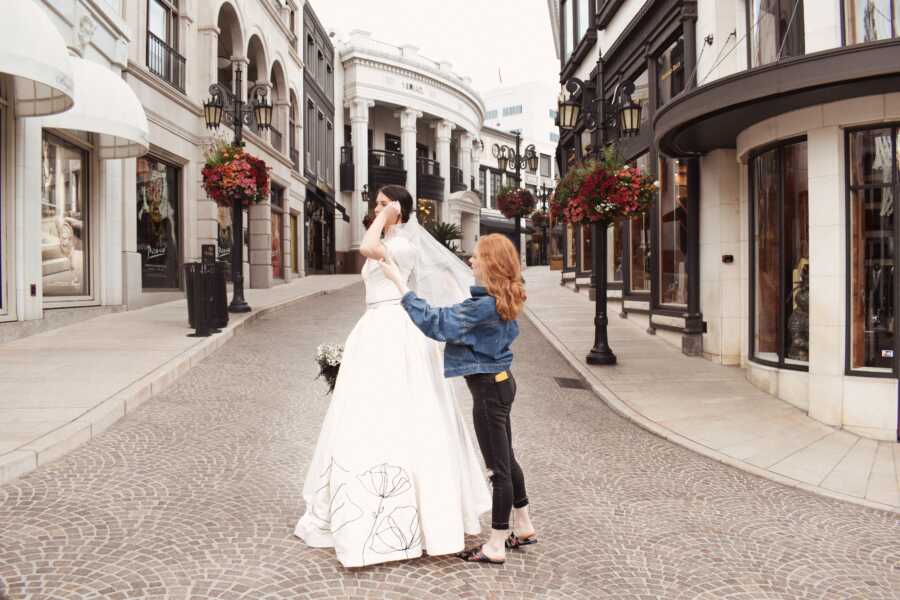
[515, 202]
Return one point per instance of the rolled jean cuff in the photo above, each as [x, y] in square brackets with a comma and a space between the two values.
[521, 503]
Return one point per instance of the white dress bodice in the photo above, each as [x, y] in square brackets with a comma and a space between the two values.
[380, 289]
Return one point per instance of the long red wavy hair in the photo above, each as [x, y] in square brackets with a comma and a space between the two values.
[501, 274]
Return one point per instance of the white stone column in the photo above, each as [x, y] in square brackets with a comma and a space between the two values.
[827, 279]
[131, 260]
[408, 118]
[465, 157]
[442, 132]
[260, 218]
[244, 64]
[359, 127]
[476, 166]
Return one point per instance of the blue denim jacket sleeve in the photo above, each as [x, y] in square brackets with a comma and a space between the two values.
[448, 324]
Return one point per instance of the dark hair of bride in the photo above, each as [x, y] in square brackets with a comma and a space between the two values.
[398, 193]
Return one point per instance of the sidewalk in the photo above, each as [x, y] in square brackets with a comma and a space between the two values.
[60, 388]
[713, 409]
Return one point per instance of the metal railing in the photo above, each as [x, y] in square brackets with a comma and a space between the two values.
[457, 181]
[164, 62]
[386, 158]
[427, 166]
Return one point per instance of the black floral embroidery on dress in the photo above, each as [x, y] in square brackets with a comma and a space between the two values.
[397, 532]
[385, 481]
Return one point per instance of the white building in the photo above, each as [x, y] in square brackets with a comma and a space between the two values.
[121, 207]
[772, 128]
[407, 120]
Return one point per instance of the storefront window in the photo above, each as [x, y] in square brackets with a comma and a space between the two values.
[780, 226]
[277, 224]
[157, 223]
[587, 257]
[873, 177]
[669, 73]
[641, 94]
[870, 20]
[65, 229]
[615, 251]
[295, 244]
[776, 30]
[672, 231]
[639, 241]
[482, 186]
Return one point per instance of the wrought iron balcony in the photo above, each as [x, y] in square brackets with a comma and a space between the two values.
[385, 168]
[429, 183]
[164, 62]
[457, 182]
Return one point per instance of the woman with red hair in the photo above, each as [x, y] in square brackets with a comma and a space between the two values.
[478, 333]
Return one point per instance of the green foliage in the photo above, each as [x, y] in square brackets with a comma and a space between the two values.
[445, 233]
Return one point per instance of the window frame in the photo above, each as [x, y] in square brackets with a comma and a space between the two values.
[7, 264]
[748, 11]
[781, 363]
[179, 225]
[848, 244]
[894, 25]
[171, 7]
[91, 187]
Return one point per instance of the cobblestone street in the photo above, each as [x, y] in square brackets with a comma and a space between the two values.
[196, 494]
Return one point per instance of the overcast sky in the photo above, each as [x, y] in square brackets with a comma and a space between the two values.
[480, 37]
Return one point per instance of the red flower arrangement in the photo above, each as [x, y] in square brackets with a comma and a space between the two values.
[538, 218]
[602, 191]
[232, 175]
[515, 202]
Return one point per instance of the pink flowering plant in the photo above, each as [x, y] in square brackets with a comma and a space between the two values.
[602, 190]
[233, 175]
[515, 202]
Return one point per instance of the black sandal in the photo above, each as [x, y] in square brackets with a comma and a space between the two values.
[515, 542]
[476, 555]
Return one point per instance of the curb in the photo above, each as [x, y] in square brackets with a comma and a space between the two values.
[98, 419]
[624, 410]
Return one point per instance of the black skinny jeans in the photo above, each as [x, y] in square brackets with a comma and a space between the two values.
[490, 410]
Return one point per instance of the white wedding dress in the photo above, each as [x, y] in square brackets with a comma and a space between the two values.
[394, 472]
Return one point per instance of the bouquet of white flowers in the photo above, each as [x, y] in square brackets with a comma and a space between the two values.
[329, 358]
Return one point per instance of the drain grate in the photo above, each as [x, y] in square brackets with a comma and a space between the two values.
[570, 383]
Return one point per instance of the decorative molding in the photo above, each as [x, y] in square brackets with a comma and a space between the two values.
[158, 85]
[380, 66]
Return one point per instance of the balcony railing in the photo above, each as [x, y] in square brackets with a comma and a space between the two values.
[387, 159]
[164, 62]
[457, 182]
[427, 166]
[429, 183]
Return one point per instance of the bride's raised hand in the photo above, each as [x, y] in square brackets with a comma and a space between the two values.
[393, 211]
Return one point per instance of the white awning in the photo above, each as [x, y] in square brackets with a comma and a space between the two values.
[104, 104]
[33, 51]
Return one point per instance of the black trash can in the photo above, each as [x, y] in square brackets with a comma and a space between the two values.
[199, 287]
[219, 295]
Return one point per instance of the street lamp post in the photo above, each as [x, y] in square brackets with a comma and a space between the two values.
[623, 118]
[506, 155]
[256, 111]
[545, 227]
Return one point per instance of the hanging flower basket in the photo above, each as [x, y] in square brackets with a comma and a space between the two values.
[232, 175]
[515, 202]
[603, 191]
[539, 218]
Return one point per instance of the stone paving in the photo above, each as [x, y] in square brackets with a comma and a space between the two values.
[195, 494]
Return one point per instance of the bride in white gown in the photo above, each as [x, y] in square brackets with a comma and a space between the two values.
[394, 473]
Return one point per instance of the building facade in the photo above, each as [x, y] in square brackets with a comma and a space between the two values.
[772, 128]
[122, 204]
[406, 120]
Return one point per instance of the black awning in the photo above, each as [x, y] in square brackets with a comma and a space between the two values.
[712, 116]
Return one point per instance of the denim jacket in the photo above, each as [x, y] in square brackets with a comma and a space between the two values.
[478, 340]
